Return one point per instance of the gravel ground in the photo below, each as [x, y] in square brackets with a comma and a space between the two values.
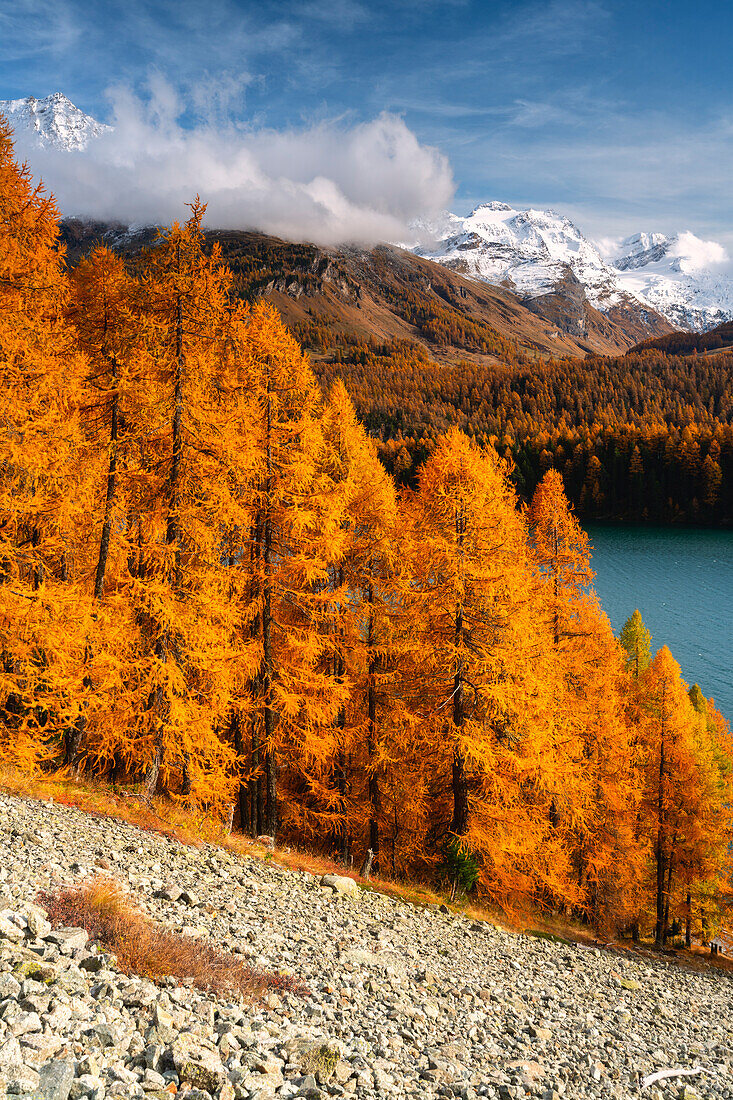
[404, 1001]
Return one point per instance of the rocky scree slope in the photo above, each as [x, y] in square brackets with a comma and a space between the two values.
[404, 1001]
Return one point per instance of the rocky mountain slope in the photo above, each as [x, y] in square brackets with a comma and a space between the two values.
[652, 284]
[404, 1001]
[53, 121]
[381, 293]
[542, 256]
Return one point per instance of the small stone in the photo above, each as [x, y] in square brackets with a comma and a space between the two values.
[68, 940]
[36, 921]
[9, 930]
[169, 893]
[10, 1053]
[196, 1064]
[9, 986]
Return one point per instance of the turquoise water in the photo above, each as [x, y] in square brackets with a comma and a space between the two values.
[681, 579]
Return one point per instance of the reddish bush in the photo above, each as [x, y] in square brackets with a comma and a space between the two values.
[116, 924]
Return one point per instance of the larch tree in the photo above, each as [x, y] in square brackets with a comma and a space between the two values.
[561, 549]
[370, 579]
[636, 640]
[295, 535]
[42, 495]
[672, 778]
[173, 531]
[482, 680]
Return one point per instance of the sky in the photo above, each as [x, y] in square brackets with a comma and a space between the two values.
[615, 112]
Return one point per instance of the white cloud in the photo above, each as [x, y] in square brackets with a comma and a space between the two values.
[329, 183]
[696, 255]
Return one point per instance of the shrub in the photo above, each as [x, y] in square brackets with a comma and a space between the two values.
[458, 867]
[113, 921]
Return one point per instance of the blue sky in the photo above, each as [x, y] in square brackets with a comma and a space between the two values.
[618, 113]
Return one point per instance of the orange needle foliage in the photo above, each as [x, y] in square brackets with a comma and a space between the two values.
[211, 588]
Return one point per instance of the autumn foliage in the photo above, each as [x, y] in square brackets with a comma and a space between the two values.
[211, 589]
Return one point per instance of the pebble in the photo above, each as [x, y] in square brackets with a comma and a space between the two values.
[404, 1001]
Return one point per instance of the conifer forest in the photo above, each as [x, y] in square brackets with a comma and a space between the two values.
[212, 588]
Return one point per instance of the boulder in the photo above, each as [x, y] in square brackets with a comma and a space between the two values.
[56, 1078]
[196, 1064]
[9, 930]
[68, 940]
[341, 884]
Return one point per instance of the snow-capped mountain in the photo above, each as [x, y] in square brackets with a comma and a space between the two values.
[538, 253]
[680, 276]
[53, 121]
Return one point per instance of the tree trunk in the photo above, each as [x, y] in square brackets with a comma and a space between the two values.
[459, 824]
[374, 792]
[173, 527]
[268, 712]
[243, 788]
[668, 892]
[267, 664]
[110, 496]
[688, 920]
[659, 930]
[150, 783]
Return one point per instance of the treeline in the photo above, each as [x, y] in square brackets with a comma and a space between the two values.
[688, 343]
[644, 437]
[210, 587]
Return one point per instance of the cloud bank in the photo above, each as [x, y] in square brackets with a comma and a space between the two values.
[332, 182]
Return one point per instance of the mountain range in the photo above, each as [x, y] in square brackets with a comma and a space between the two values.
[587, 296]
[539, 254]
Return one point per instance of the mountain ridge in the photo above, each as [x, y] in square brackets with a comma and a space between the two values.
[534, 252]
[383, 293]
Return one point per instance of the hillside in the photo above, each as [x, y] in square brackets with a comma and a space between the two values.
[713, 342]
[407, 1000]
[389, 294]
[422, 348]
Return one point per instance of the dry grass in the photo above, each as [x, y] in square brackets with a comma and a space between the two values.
[103, 800]
[141, 947]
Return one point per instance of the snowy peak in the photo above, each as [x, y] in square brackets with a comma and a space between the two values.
[536, 252]
[531, 251]
[642, 249]
[54, 121]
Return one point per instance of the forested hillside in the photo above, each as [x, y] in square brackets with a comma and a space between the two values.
[639, 436]
[211, 588]
[643, 437]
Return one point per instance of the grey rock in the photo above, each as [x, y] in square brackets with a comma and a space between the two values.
[55, 1080]
[9, 930]
[68, 940]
